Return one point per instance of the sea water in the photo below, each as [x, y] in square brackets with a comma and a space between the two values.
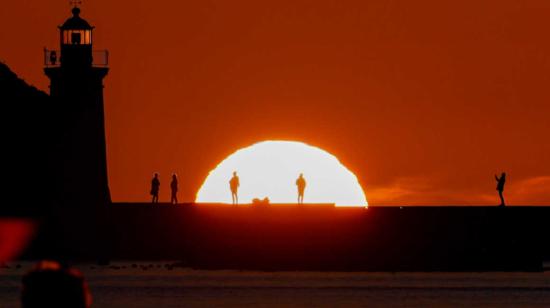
[140, 284]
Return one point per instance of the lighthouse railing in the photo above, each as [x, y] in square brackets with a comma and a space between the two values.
[52, 58]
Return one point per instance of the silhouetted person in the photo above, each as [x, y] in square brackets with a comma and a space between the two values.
[500, 186]
[174, 189]
[234, 186]
[155, 187]
[53, 57]
[50, 285]
[301, 184]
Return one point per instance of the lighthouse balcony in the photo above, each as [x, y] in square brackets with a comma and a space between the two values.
[52, 58]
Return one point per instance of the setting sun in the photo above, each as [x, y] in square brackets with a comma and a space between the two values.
[270, 169]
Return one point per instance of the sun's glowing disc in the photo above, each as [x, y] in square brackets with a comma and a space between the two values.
[270, 169]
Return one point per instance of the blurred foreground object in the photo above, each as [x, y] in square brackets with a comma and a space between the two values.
[15, 235]
[51, 285]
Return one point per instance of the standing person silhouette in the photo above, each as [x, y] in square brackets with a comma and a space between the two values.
[155, 187]
[234, 186]
[500, 186]
[174, 189]
[301, 184]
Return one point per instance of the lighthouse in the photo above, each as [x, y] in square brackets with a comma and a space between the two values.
[76, 72]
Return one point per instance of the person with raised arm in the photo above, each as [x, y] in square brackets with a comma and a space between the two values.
[500, 186]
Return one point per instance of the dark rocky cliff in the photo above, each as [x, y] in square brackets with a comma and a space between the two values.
[28, 142]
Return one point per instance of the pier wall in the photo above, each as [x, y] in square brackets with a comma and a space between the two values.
[304, 237]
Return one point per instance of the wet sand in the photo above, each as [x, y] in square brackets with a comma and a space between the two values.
[156, 284]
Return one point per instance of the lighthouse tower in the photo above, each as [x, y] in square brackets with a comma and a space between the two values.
[76, 75]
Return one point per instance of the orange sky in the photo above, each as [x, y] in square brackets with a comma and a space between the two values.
[423, 100]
